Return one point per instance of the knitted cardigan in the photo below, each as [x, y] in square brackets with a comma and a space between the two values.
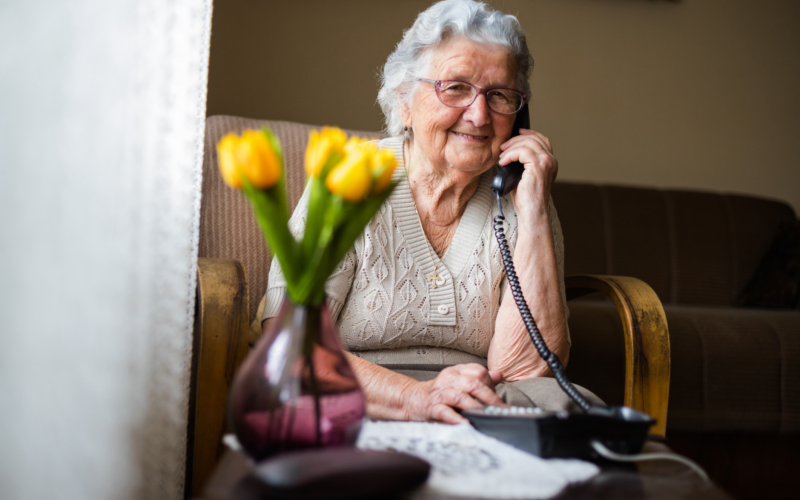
[385, 307]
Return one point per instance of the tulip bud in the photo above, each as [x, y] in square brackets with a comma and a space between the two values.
[355, 141]
[250, 155]
[325, 148]
[352, 178]
[228, 164]
[260, 164]
[383, 165]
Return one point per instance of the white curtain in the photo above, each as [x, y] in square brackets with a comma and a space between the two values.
[102, 106]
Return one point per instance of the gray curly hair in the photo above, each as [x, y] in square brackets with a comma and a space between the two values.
[442, 21]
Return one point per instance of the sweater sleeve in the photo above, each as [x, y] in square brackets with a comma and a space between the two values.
[558, 243]
[336, 288]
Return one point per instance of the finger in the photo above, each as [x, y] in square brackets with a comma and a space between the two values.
[447, 378]
[474, 371]
[533, 142]
[496, 376]
[450, 371]
[521, 139]
[462, 399]
[526, 135]
[522, 133]
[487, 380]
[486, 396]
[525, 155]
[541, 137]
[445, 414]
[480, 373]
[468, 375]
[470, 393]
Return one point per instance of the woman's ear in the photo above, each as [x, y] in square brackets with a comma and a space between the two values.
[404, 111]
[405, 116]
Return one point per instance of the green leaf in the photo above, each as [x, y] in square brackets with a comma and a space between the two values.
[318, 268]
[336, 213]
[319, 198]
[355, 218]
[279, 190]
[274, 142]
[331, 162]
[316, 236]
[274, 224]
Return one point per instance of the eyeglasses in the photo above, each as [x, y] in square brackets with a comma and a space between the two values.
[456, 94]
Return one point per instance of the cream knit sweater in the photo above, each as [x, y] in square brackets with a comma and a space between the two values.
[385, 308]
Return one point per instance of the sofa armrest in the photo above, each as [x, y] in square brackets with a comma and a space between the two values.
[647, 349]
[220, 344]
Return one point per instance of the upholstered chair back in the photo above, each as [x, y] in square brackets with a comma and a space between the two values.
[228, 229]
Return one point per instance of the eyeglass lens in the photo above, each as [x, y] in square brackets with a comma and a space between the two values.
[460, 94]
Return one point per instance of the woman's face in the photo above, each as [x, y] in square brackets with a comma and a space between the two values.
[467, 139]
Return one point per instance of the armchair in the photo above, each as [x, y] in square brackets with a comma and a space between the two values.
[233, 258]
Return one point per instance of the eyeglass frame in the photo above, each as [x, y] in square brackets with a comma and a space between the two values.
[478, 91]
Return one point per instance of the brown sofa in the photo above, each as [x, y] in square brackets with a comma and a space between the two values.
[731, 373]
[734, 401]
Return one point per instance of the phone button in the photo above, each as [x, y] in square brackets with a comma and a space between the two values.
[443, 309]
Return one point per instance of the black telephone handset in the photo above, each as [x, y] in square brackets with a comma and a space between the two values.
[507, 178]
[549, 434]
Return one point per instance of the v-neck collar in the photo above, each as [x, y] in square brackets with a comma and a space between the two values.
[457, 254]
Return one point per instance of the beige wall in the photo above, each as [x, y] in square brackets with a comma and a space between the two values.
[701, 94]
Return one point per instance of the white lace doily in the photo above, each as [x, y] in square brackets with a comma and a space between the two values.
[467, 463]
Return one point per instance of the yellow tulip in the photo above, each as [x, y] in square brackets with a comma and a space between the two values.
[383, 165]
[259, 163]
[250, 155]
[228, 164]
[355, 141]
[352, 178]
[322, 146]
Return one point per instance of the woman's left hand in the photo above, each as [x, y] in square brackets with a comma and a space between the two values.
[534, 151]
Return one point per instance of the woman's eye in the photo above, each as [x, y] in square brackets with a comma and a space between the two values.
[499, 96]
[455, 87]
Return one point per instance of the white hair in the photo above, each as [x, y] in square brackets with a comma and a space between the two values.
[440, 22]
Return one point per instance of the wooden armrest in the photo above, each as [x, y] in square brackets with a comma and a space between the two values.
[220, 344]
[647, 351]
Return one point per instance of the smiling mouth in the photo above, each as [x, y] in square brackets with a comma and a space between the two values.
[474, 137]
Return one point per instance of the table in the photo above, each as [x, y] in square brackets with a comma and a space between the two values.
[654, 480]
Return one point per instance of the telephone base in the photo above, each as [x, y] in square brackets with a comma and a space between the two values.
[561, 434]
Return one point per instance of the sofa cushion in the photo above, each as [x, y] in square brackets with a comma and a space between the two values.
[749, 378]
[776, 283]
[694, 248]
[732, 369]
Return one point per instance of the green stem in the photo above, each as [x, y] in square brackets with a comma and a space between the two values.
[318, 197]
[274, 225]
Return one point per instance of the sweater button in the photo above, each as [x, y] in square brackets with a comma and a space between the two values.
[443, 309]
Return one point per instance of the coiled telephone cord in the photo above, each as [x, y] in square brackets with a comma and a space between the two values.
[513, 282]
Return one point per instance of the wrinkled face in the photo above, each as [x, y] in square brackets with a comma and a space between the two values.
[467, 139]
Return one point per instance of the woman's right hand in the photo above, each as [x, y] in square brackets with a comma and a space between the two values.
[460, 386]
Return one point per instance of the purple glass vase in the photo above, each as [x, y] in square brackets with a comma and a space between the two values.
[296, 390]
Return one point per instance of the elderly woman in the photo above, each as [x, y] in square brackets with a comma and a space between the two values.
[421, 302]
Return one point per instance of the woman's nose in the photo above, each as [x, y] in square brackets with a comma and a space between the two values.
[477, 113]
